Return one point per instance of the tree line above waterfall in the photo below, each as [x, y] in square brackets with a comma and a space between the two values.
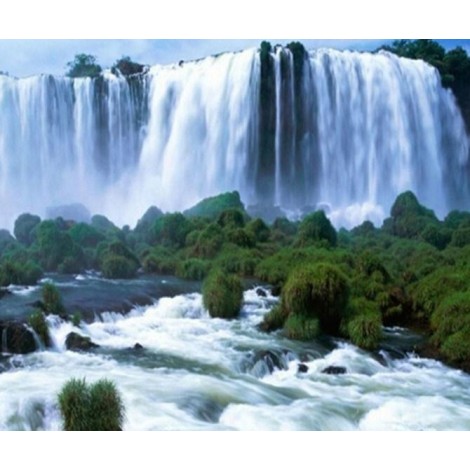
[413, 271]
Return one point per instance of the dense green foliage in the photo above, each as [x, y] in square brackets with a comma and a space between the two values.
[83, 65]
[222, 294]
[97, 407]
[409, 272]
[212, 207]
[37, 321]
[51, 299]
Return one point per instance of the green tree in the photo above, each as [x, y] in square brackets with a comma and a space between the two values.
[83, 65]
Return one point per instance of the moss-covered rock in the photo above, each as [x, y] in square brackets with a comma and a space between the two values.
[222, 295]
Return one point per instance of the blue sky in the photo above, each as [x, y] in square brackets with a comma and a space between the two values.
[29, 57]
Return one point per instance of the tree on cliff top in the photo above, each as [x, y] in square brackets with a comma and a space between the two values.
[84, 65]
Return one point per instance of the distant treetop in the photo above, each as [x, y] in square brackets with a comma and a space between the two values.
[84, 65]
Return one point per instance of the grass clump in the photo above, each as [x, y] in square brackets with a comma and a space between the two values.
[222, 294]
[97, 407]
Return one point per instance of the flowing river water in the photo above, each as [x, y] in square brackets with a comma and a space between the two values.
[199, 373]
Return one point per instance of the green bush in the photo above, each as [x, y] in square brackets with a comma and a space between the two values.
[365, 330]
[51, 299]
[300, 328]
[274, 319]
[316, 227]
[98, 407]
[428, 293]
[83, 65]
[231, 218]
[451, 316]
[317, 291]
[461, 237]
[193, 269]
[240, 237]
[118, 267]
[24, 229]
[222, 294]
[26, 274]
[258, 230]
[235, 260]
[171, 230]
[85, 235]
[209, 241]
[160, 260]
[37, 321]
[456, 346]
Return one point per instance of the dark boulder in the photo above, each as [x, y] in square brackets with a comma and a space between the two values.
[261, 292]
[76, 342]
[17, 338]
[302, 368]
[334, 370]
[138, 347]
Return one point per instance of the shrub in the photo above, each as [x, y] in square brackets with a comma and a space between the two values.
[240, 237]
[209, 241]
[461, 237]
[76, 319]
[365, 330]
[51, 299]
[222, 294]
[85, 235]
[428, 293]
[193, 269]
[160, 260]
[27, 273]
[451, 316]
[236, 260]
[258, 229]
[118, 267]
[37, 321]
[317, 291]
[91, 408]
[83, 65]
[274, 319]
[231, 218]
[300, 328]
[171, 230]
[24, 228]
[316, 227]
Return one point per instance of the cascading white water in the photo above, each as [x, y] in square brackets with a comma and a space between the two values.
[201, 373]
[349, 134]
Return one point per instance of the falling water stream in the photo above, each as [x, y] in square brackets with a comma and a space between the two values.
[348, 133]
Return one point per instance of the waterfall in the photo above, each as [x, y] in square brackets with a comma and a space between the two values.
[345, 131]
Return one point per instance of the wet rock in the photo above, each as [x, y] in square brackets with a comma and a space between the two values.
[334, 370]
[17, 338]
[76, 342]
[302, 368]
[261, 292]
[138, 347]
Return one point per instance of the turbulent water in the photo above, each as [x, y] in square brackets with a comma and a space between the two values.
[198, 373]
[346, 131]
